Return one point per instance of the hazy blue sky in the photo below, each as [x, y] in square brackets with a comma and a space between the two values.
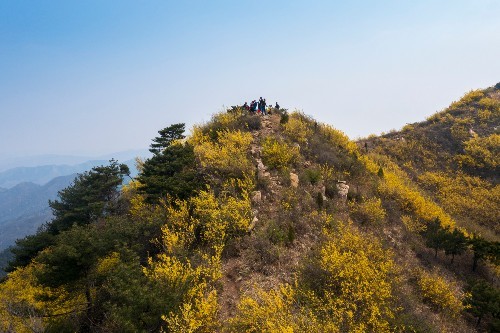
[92, 77]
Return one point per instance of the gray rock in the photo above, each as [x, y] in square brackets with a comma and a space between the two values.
[253, 223]
[342, 189]
[256, 197]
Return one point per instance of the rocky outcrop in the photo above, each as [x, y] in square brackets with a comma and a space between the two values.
[294, 179]
[342, 189]
[256, 197]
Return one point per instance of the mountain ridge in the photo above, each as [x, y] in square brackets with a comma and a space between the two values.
[264, 223]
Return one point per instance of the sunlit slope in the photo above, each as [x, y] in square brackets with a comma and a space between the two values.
[255, 223]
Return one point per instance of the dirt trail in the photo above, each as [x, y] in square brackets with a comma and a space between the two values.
[234, 279]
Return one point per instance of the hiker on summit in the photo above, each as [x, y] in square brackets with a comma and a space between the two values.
[253, 106]
[262, 106]
[246, 107]
[277, 106]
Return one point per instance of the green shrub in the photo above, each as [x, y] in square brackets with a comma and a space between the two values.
[251, 122]
[284, 118]
[312, 175]
[280, 233]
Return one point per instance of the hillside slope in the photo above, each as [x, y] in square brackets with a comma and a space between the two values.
[255, 223]
[455, 156]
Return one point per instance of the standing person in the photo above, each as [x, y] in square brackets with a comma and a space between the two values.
[253, 106]
[245, 106]
[260, 104]
[277, 106]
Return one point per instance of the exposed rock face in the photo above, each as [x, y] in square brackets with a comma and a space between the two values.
[253, 223]
[260, 166]
[255, 151]
[256, 197]
[322, 190]
[342, 189]
[294, 179]
[261, 169]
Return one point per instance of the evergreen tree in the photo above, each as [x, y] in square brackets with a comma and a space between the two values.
[171, 170]
[26, 248]
[481, 249]
[455, 243]
[167, 136]
[494, 253]
[484, 301]
[92, 195]
[434, 236]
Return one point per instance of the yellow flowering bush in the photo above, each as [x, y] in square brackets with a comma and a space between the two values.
[440, 293]
[196, 316]
[470, 97]
[491, 104]
[272, 312]
[396, 185]
[369, 210]
[25, 306]
[338, 139]
[278, 155]
[482, 152]
[297, 128]
[469, 197]
[358, 283]
[228, 155]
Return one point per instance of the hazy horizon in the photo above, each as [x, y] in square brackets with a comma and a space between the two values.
[95, 77]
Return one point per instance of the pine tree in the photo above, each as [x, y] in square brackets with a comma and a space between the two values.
[167, 136]
[455, 243]
[484, 301]
[481, 248]
[434, 236]
[172, 170]
[92, 195]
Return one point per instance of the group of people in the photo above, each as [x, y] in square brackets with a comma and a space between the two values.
[259, 106]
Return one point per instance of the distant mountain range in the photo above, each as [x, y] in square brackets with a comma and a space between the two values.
[43, 172]
[52, 159]
[24, 208]
[25, 192]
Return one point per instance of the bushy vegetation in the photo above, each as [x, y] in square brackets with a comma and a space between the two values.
[212, 236]
[277, 154]
[226, 156]
[368, 211]
[442, 175]
[440, 293]
[171, 171]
